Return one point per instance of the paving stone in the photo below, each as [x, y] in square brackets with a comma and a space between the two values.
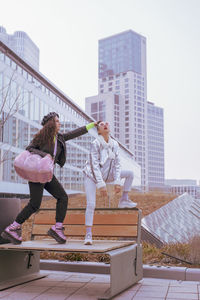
[180, 296]
[155, 294]
[81, 297]
[128, 295]
[147, 298]
[50, 297]
[183, 289]
[153, 288]
[4, 293]
[20, 296]
[155, 281]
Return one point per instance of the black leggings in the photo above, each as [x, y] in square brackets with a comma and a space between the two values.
[36, 192]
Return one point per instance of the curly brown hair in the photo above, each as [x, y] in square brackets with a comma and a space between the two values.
[46, 134]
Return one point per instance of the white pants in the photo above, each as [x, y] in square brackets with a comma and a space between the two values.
[90, 190]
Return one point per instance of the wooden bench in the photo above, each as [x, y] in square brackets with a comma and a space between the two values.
[116, 232]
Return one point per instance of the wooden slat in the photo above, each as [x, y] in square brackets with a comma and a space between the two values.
[98, 230]
[79, 219]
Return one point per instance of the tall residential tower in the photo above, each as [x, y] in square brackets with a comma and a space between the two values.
[122, 71]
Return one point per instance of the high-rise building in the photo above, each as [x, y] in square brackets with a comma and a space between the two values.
[107, 107]
[155, 133]
[122, 71]
[22, 45]
[24, 100]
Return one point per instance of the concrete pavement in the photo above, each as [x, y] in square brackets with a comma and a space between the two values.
[59, 285]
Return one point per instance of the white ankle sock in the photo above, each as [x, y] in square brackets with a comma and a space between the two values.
[89, 230]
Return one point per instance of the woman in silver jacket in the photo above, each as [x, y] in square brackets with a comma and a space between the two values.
[103, 167]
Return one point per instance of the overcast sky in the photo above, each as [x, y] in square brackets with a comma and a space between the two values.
[67, 34]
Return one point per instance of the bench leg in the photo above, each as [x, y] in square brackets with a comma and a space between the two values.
[125, 269]
[17, 267]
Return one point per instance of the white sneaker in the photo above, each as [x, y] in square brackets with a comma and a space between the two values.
[126, 204]
[88, 239]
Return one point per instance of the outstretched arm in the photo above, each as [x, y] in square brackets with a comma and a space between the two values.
[78, 132]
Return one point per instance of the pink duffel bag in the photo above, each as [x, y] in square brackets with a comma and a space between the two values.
[33, 167]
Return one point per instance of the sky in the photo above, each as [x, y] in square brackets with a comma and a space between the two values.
[67, 34]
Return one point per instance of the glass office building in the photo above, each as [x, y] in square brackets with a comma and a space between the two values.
[155, 131]
[25, 97]
[122, 71]
[120, 53]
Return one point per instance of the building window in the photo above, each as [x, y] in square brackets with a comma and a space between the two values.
[102, 116]
[94, 107]
[94, 116]
[101, 105]
[110, 89]
[110, 83]
[116, 99]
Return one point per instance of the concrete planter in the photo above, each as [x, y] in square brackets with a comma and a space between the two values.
[9, 209]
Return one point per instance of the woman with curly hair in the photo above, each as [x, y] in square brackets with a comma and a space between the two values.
[43, 144]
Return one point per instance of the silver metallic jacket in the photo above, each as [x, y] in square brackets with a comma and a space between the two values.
[104, 163]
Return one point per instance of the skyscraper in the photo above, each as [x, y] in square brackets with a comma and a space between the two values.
[155, 133]
[22, 45]
[122, 71]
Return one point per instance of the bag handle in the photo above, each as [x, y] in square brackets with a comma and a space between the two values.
[55, 149]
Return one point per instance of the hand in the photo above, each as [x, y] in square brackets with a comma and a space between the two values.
[117, 188]
[97, 123]
[103, 191]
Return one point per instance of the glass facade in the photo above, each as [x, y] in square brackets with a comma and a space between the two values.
[156, 146]
[24, 100]
[120, 53]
